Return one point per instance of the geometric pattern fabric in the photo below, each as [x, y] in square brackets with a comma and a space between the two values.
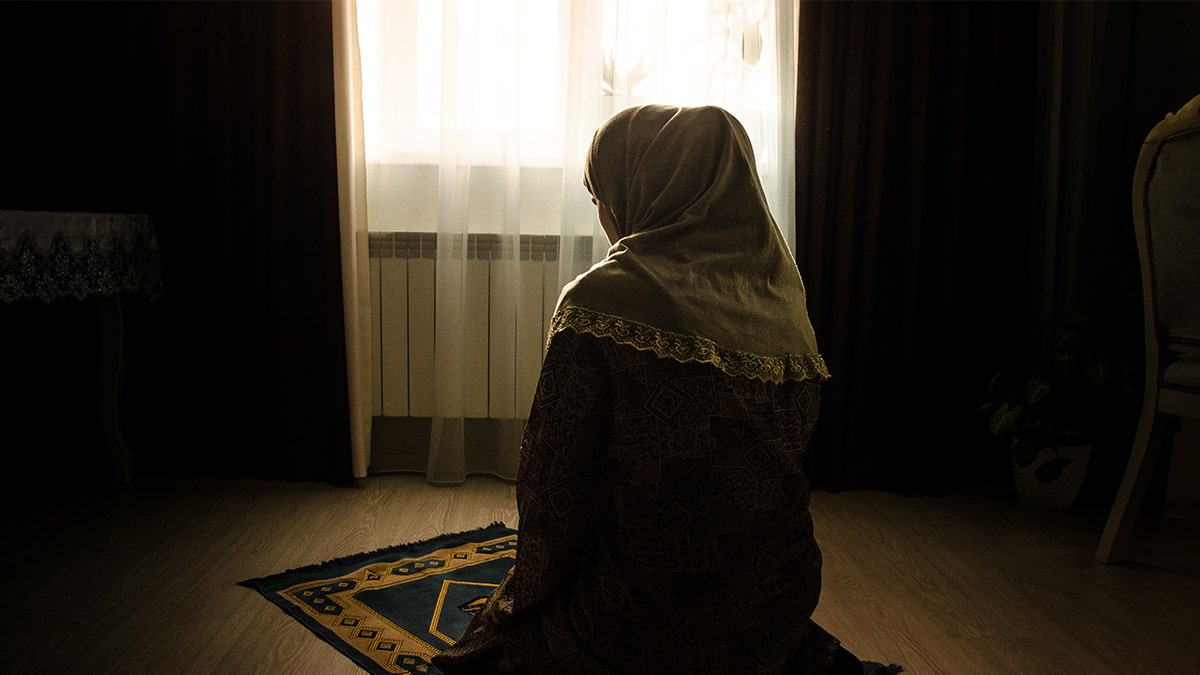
[392, 610]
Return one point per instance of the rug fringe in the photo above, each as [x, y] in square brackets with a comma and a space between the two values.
[872, 668]
[497, 528]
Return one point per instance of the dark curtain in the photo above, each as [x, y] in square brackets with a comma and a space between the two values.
[1109, 71]
[914, 173]
[216, 119]
[962, 174]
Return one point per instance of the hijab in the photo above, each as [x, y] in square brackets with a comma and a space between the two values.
[700, 272]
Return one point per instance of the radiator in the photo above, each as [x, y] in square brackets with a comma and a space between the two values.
[504, 348]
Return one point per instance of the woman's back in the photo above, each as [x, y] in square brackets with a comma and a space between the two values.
[664, 509]
[690, 544]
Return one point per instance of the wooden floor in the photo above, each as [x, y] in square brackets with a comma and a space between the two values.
[142, 578]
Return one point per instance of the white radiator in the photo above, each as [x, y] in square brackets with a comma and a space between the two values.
[504, 348]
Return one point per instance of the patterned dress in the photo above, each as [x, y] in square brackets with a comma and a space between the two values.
[664, 524]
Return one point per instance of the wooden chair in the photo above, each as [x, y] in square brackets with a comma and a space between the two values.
[1166, 218]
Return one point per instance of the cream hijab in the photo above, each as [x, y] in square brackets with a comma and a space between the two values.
[700, 272]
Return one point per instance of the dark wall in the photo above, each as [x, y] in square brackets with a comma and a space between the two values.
[1131, 63]
[1163, 74]
[958, 184]
[75, 88]
[216, 119]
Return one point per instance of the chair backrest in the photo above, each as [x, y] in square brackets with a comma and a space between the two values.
[1166, 212]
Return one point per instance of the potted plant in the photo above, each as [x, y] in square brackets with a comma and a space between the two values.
[1053, 409]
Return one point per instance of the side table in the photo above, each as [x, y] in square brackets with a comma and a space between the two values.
[50, 254]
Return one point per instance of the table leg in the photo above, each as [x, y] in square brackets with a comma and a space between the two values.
[112, 370]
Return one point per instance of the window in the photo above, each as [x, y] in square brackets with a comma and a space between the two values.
[481, 76]
[495, 99]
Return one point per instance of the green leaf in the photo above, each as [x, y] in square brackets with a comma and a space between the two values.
[1065, 340]
[1098, 374]
[1004, 418]
[1037, 389]
[993, 383]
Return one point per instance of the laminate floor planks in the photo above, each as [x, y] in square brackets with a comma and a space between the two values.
[142, 578]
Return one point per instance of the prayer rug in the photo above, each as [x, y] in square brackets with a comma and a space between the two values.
[392, 610]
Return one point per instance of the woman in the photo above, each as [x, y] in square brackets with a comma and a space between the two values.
[664, 524]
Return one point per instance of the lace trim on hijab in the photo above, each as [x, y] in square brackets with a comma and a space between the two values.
[690, 348]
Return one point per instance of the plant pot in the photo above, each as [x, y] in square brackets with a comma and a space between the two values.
[1060, 492]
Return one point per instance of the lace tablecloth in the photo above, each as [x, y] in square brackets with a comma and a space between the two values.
[45, 255]
[50, 254]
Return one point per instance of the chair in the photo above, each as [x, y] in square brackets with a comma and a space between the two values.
[1166, 219]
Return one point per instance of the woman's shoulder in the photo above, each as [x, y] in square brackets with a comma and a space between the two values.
[591, 283]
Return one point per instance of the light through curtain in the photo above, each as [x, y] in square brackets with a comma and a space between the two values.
[477, 115]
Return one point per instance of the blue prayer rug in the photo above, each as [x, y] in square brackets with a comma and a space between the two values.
[392, 610]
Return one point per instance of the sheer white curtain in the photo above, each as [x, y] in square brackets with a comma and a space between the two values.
[352, 212]
[476, 118]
